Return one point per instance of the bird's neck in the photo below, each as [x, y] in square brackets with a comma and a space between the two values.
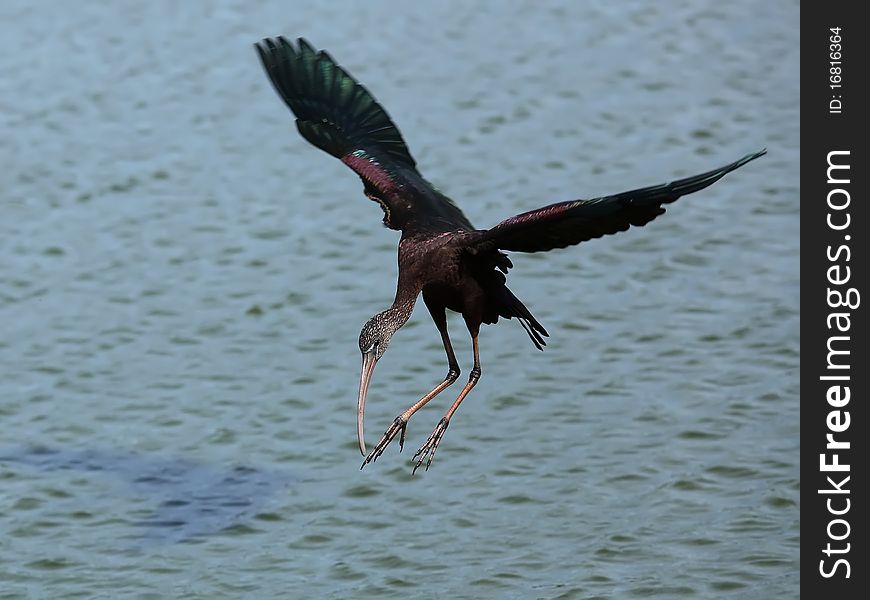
[399, 313]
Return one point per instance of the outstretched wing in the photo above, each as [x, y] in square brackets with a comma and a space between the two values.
[568, 223]
[338, 115]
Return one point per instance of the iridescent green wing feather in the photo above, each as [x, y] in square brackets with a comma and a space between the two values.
[338, 115]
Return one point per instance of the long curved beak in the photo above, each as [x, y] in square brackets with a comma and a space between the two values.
[369, 360]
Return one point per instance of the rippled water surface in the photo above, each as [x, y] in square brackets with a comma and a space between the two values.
[183, 279]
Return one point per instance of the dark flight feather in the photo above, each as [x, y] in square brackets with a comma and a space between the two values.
[338, 115]
[568, 223]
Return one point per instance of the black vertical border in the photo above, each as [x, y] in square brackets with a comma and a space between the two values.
[824, 131]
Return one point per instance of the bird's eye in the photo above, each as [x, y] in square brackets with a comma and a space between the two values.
[370, 348]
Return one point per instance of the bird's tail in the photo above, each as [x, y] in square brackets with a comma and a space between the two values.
[511, 306]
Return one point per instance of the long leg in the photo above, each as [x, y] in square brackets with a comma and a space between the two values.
[429, 447]
[400, 423]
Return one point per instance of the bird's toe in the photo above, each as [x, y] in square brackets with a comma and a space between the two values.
[426, 453]
[399, 425]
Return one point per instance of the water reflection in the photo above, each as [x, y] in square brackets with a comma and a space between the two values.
[191, 499]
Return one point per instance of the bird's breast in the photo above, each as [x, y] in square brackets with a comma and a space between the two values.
[444, 294]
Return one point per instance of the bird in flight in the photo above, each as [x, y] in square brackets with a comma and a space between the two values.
[441, 254]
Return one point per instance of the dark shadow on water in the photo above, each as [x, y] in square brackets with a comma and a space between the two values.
[192, 499]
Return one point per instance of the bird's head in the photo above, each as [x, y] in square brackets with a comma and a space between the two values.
[373, 341]
[375, 336]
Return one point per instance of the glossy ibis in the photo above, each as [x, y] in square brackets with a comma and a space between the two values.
[441, 254]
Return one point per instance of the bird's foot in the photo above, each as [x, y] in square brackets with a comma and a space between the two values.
[399, 424]
[431, 445]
